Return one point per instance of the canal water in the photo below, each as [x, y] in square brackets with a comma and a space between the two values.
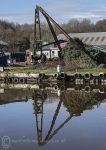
[52, 119]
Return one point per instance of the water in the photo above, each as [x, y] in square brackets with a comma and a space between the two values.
[51, 119]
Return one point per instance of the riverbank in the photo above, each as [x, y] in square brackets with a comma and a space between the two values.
[51, 70]
[27, 75]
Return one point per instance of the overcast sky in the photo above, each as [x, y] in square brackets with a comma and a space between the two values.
[22, 11]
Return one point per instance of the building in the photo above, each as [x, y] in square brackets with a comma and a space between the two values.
[91, 38]
[97, 39]
[50, 53]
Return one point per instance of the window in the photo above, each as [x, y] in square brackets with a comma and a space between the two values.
[97, 39]
[86, 39]
[103, 38]
[92, 38]
[53, 53]
[47, 53]
[82, 38]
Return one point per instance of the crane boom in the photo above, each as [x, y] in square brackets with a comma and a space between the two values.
[75, 42]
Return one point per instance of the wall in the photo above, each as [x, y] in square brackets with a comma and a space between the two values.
[50, 53]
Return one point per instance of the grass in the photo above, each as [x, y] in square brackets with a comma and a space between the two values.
[51, 70]
[93, 70]
[30, 70]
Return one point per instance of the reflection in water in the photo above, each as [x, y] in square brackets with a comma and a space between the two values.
[74, 101]
[38, 107]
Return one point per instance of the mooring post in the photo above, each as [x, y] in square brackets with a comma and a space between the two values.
[58, 69]
[1, 69]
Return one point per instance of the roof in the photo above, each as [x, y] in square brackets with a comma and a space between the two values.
[103, 51]
[51, 48]
[3, 43]
[91, 38]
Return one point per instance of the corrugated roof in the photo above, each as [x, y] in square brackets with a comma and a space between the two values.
[92, 38]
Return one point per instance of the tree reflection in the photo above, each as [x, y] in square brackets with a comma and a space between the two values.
[74, 102]
[75, 99]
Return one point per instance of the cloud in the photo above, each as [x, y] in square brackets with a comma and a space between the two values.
[82, 15]
[63, 11]
[60, 18]
[18, 18]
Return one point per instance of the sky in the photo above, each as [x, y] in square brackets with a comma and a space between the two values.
[22, 11]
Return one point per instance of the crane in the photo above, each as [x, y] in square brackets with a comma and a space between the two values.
[98, 57]
[38, 37]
